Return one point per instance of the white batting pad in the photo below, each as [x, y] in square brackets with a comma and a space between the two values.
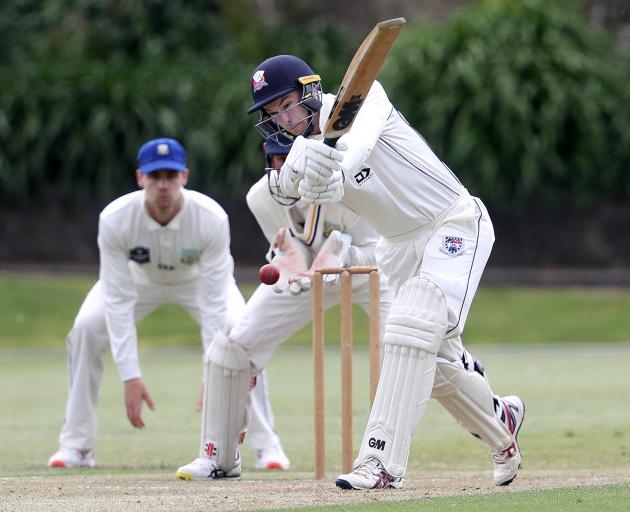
[468, 397]
[225, 408]
[414, 330]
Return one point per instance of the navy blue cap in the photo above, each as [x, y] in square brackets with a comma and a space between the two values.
[158, 154]
[276, 77]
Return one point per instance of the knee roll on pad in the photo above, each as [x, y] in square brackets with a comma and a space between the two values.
[418, 316]
[226, 400]
[414, 330]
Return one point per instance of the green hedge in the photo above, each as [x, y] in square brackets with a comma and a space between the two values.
[522, 99]
[83, 86]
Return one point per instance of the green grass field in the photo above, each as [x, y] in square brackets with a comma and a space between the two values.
[37, 311]
[576, 388]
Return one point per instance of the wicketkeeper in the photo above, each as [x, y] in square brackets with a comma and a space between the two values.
[303, 236]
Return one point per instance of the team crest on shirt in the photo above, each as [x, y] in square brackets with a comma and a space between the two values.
[452, 245]
[140, 254]
[189, 256]
[258, 80]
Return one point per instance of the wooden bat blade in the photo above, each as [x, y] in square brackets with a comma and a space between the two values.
[361, 73]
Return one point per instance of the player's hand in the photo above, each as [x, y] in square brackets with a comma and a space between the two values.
[323, 177]
[318, 193]
[292, 171]
[333, 253]
[136, 393]
[291, 258]
[309, 159]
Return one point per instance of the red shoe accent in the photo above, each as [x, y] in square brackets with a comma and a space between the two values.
[57, 464]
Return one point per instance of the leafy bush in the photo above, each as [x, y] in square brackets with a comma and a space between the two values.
[83, 87]
[522, 99]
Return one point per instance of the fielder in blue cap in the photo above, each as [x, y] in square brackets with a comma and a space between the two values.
[162, 244]
[163, 153]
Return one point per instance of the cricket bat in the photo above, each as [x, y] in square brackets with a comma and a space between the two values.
[361, 73]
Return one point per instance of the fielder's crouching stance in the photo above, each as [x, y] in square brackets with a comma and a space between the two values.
[162, 244]
[436, 240]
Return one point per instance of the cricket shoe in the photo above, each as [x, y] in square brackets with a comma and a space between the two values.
[272, 458]
[72, 458]
[369, 474]
[204, 468]
[508, 462]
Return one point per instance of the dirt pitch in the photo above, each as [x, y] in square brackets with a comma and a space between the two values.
[135, 493]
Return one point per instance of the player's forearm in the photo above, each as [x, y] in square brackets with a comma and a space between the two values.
[120, 299]
[367, 128]
[123, 338]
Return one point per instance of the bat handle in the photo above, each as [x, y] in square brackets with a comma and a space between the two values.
[332, 142]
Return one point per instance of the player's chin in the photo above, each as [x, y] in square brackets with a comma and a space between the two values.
[164, 202]
[297, 130]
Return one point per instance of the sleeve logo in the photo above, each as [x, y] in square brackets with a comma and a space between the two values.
[363, 175]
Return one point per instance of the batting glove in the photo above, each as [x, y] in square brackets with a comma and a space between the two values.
[329, 192]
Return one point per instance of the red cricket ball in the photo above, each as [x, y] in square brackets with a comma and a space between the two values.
[269, 274]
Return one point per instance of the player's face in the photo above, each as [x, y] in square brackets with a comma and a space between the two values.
[162, 188]
[288, 113]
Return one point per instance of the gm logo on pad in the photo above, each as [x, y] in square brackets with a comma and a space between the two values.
[376, 443]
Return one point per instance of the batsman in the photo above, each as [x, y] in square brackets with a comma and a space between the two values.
[435, 240]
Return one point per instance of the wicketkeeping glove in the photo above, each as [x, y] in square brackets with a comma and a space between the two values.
[333, 253]
[291, 257]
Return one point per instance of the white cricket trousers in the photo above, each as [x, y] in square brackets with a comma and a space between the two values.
[88, 341]
[271, 318]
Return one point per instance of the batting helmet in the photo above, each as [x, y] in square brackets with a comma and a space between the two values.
[272, 147]
[278, 76]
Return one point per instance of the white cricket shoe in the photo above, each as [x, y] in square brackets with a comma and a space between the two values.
[272, 458]
[508, 462]
[72, 458]
[369, 474]
[204, 468]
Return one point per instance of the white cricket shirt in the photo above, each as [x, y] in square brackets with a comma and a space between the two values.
[392, 177]
[136, 250]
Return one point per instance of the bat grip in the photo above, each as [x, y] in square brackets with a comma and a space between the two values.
[332, 142]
